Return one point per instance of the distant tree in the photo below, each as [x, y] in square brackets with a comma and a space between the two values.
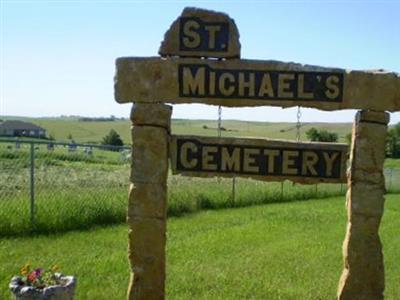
[112, 139]
[69, 136]
[326, 136]
[393, 142]
[348, 138]
[322, 135]
[312, 134]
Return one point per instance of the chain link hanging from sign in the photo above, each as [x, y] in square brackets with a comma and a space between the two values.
[219, 120]
[298, 124]
[219, 125]
[219, 129]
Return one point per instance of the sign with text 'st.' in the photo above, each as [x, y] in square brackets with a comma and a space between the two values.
[201, 33]
[196, 35]
[268, 160]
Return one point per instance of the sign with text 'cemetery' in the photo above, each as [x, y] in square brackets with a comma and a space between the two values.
[269, 160]
[239, 82]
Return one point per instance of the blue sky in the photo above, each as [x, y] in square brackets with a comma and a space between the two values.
[57, 57]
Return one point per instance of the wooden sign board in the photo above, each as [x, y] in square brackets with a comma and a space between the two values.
[268, 160]
[238, 82]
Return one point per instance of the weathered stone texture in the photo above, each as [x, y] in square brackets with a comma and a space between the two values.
[373, 116]
[149, 154]
[153, 79]
[148, 201]
[151, 114]
[147, 239]
[363, 274]
[170, 44]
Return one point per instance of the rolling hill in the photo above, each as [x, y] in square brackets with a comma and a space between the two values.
[93, 131]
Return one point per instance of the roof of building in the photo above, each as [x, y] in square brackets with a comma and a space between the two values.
[19, 125]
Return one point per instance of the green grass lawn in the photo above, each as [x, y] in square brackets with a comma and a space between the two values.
[276, 251]
[392, 163]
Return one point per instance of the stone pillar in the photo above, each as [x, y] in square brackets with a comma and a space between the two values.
[147, 208]
[363, 274]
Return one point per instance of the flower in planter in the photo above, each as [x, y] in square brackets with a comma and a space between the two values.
[39, 277]
[43, 284]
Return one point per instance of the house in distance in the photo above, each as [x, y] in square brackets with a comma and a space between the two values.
[14, 128]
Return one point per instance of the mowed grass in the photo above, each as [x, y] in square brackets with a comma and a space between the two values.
[392, 163]
[278, 251]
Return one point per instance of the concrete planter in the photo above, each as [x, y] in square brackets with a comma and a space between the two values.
[55, 292]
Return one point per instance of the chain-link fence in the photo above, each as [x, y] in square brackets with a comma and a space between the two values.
[47, 186]
[50, 187]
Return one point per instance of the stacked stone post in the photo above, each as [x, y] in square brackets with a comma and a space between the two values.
[147, 206]
[363, 274]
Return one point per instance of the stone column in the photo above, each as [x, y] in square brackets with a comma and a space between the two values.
[147, 208]
[363, 274]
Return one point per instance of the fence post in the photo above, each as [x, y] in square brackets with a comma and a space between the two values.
[32, 182]
[281, 190]
[233, 191]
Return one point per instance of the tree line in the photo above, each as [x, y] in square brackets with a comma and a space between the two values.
[392, 141]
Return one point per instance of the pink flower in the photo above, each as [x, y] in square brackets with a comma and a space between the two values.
[32, 276]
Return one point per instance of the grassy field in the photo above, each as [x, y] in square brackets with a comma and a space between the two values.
[76, 206]
[74, 190]
[392, 163]
[86, 132]
[287, 250]
[281, 251]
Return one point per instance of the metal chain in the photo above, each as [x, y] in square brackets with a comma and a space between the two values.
[298, 124]
[233, 197]
[219, 131]
[219, 120]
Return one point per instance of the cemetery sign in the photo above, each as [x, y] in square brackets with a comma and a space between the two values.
[268, 160]
[240, 82]
[183, 73]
